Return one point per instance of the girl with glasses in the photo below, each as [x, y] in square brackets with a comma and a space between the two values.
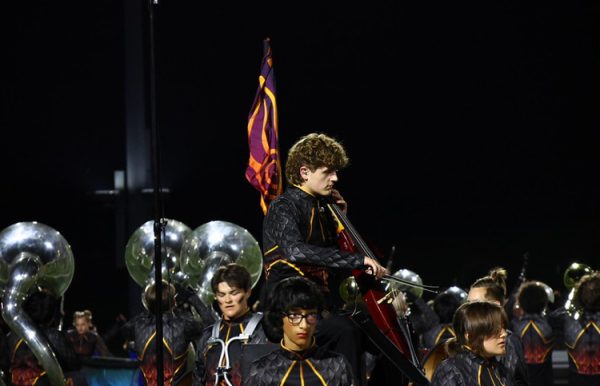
[293, 313]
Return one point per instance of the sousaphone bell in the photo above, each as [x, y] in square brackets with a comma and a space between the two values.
[139, 253]
[215, 244]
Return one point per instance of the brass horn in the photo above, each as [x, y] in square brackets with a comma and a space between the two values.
[574, 272]
[31, 255]
[139, 253]
[349, 291]
[407, 281]
[213, 245]
[572, 275]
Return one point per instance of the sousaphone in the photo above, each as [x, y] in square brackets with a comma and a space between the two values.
[33, 255]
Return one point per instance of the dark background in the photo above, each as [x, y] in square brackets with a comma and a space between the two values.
[472, 127]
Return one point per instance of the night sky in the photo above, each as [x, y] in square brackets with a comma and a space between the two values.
[472, 127]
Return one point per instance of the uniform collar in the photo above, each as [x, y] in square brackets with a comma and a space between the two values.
[299, 355]
[240, 319]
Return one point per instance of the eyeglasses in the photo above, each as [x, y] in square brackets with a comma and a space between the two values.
[295, 319]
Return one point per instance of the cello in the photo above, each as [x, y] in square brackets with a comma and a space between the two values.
[381, 325]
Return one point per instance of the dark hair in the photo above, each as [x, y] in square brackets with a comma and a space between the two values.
[444, 305]
[234, 275]
[167, 296]
[291, 293]
[43, 308]
[494, 283]
[587, 292]
[532, 297]
[479, 320]
[314, 151]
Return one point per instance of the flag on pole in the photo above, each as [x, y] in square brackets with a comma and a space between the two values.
[264, 165]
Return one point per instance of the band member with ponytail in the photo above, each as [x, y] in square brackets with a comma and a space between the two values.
[480, 328]
[492, 288]
[536, 332]
[300, 238]
[579, 328]
[222, 348]
[293, 312]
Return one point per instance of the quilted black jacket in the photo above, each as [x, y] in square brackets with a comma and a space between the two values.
[582, 340]
[514, 360]
[469, 369]
[179, 330]
[316, 367]
[299, 238]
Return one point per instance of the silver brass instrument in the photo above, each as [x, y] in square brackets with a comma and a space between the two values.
[571, 277]
[213, 245]
[33, 255]
[139, 253]
[406, 281]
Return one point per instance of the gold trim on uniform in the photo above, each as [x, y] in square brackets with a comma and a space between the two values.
[285, 262]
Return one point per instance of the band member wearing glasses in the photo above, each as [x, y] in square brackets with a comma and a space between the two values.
[293, 312]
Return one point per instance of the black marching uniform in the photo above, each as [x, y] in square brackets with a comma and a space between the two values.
[314, 367]
[581, 337]
[179, 330]
[300, 239]
[538, 342]
[437, 334]
[469, 369]
[25, 369]
[210, 349]
[87, 344]
[514, 360]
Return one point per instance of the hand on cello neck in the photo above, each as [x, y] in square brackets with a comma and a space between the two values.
[337, 199]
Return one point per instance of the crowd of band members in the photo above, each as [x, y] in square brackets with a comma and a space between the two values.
[300, 331]
[481, 344]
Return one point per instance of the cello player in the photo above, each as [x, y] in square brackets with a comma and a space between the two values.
[299, 238]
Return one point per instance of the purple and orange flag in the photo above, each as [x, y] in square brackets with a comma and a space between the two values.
[264, 165]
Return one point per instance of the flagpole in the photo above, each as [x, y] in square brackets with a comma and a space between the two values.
[158, 224]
